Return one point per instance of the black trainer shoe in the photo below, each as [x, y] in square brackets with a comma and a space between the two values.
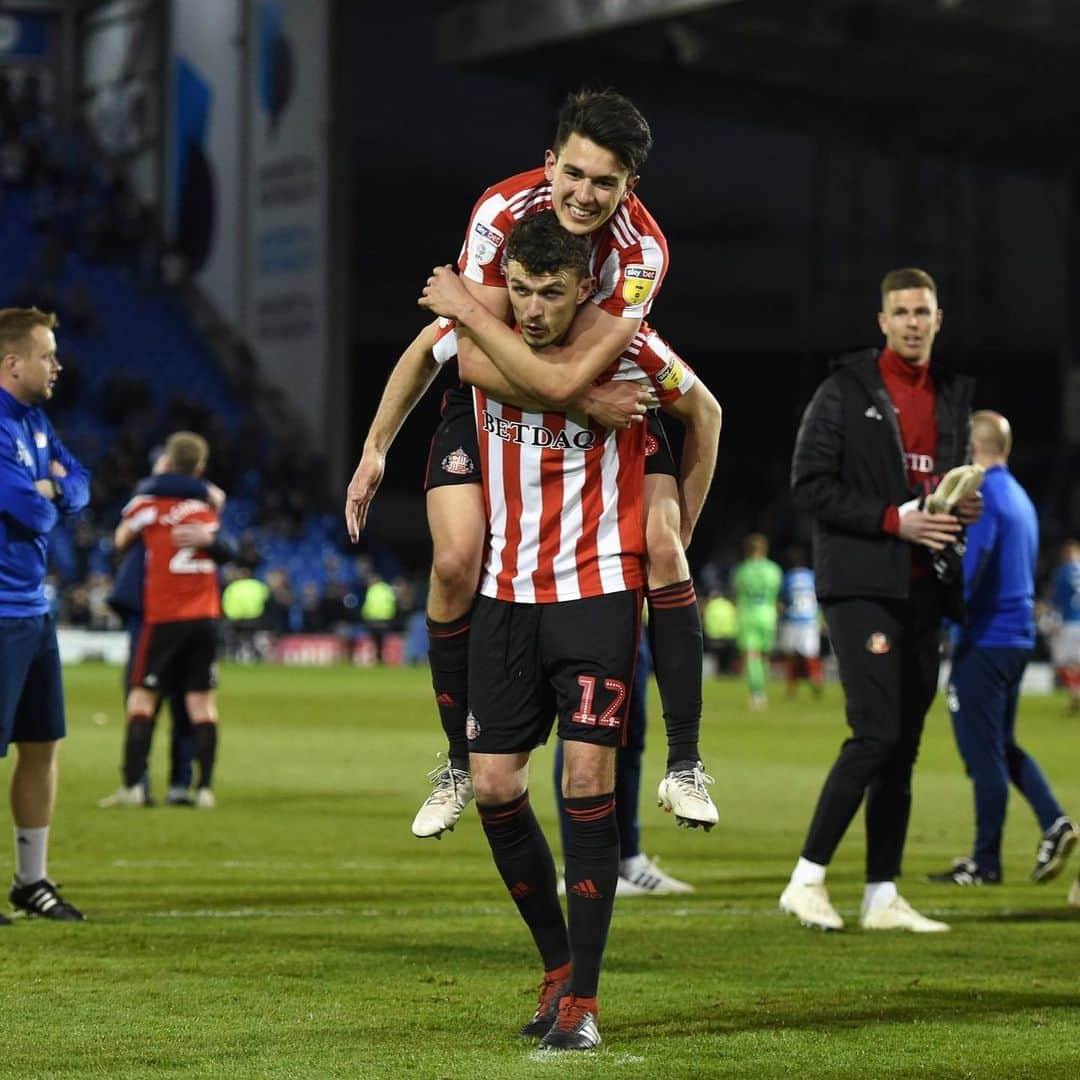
[965, 872]
[1054, 849]
[547, 1008]
[574, 1027]
[42, 899]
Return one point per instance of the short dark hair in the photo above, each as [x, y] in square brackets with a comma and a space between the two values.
[544, 247]
[16, 324]
[609, 120]
[909, 277]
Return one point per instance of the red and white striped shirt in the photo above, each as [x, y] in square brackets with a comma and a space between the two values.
[629, 254]
[563, 496]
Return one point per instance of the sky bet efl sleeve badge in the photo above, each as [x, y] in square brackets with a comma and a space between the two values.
[484, 243]
[638, 284]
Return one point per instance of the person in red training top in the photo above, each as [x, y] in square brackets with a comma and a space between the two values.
[177, 647]
[874, 440]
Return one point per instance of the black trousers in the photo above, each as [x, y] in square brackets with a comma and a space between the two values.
[888, 655]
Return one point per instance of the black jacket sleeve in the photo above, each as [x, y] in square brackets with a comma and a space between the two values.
[817, 468]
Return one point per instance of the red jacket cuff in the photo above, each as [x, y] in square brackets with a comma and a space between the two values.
[890, 521]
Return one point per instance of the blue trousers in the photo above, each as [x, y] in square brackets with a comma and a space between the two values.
[984, 689]
[627, 764]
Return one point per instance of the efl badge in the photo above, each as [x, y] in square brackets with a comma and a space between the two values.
[24, 454]
[638, 283]
[671, 374]
[472, 727]
[458, 463]
[652, 444]
[878, 644]
[484, 243]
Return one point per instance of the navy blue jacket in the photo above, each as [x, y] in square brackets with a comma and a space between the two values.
[27, 445]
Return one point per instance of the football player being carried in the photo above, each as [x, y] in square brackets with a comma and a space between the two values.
[588, 179]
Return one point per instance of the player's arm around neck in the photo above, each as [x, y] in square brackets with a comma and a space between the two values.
[701, 415]
[596, 339]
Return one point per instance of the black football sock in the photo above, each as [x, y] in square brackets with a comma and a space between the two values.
[140, 730]
[592, 872]
[448, 656]
[676, 643]
[206, 752]
[524, 862]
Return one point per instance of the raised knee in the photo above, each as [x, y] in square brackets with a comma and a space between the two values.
[457, 569]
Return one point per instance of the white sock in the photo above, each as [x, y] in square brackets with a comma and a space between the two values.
[808, 873]
[31, 846]
[878, 894]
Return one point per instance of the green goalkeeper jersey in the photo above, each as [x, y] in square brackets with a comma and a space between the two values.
[757, 585]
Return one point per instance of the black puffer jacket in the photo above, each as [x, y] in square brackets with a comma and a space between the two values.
[848, 466]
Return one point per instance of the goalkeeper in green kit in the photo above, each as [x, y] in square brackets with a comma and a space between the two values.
[757, 586]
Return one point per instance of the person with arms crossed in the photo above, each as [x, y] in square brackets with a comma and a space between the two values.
[557, 620]
[39, 481]
[756, 581]
[588, 179]
[177, 647]
[800, 634]
[991, 650]
[876, 435]
[1065, 642]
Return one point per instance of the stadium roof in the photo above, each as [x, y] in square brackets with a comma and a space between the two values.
[984, 79]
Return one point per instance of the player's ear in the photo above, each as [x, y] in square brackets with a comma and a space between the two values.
[882, 322]
[937, 319]
[549, 164]
[585, 289]
[631, 183]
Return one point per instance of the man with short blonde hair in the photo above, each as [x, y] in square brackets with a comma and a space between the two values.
[39, 480]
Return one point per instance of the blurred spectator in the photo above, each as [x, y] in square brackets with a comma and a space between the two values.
[720, 623]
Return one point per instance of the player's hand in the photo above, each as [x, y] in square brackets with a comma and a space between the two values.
[444, 294]
[46, 489]
[194, 534]
[933, 531]
[215, 496]
[57, 469]
[618, 405]
[361, 491]
[969, 509]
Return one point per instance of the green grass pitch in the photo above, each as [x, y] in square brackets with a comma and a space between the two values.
[299, 930]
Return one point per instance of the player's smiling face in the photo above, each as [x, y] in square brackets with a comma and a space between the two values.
[587, 184]
[36, 366]
[910, 321]
[544, 304]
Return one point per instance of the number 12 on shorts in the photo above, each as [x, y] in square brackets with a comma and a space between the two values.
[608, 718]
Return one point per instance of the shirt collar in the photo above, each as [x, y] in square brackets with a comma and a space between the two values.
[897, 366]
[11, 406]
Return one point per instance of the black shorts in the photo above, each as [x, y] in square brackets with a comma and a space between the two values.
[454, 457]
[659, 460]
[529, 663]
[172, 657]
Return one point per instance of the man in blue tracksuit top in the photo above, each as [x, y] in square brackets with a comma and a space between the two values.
[39, 480]
[991, 651]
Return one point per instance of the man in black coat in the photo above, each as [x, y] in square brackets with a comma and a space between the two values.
[875, 439]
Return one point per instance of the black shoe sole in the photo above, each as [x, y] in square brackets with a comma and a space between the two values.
[1042, 874]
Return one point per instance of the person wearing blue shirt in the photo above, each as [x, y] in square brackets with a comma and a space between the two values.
[799, 640]
[991, 650]
[39, 481]
[1065, 600]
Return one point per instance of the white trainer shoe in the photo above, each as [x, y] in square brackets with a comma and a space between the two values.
[810, 904]
[125, 796]
[684, 793]
[898, 914]
[204, 799]
[451, 792]
[644, 875]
